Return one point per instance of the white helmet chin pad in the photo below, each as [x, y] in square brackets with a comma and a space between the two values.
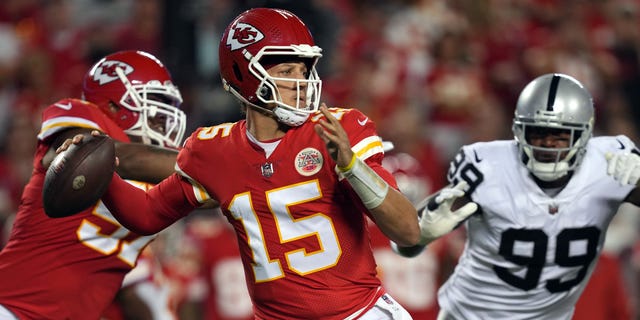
[548, 171]
[292, 118]
[551, 171]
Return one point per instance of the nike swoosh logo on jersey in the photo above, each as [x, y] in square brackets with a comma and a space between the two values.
[363, 122]
[66, 106]
[475, 155]
[621, 144]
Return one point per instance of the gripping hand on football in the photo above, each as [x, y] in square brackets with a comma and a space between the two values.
[439, 218]
[624, 167]
[78, 138]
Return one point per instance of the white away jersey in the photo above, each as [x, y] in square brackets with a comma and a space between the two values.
[528, 255]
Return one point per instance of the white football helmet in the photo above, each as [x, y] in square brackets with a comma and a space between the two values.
[554, 101]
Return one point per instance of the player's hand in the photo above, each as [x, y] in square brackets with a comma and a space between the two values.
[624, 167]
[77, 139]
[438, 218]
[335, 138]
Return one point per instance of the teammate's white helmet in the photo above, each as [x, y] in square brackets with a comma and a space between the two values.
[554, 101]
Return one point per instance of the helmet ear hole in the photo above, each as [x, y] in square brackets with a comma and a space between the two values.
[264, 92]
[113, 107]
[576, 135]
[237, 72]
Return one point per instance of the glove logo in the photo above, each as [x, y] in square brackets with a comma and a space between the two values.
[242, 35]
[308, 161]
[106, 71]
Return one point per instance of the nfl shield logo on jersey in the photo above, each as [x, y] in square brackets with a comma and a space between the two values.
[267, 169]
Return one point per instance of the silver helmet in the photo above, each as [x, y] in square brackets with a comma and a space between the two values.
[554, 101]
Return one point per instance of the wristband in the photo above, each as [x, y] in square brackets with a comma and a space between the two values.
[350, 165]
[367, 184]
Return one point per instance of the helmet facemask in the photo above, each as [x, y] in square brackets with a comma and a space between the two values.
[550, 163]
[308, 89]
[155, 103]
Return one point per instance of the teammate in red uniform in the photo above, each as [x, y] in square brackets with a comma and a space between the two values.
[71, 268]
[295, 183]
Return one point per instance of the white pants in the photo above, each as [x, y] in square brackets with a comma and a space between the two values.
[6, 314]
[386, 308]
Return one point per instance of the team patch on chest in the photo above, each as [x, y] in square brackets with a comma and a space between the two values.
[308, 161]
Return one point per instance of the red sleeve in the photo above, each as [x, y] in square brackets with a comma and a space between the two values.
[148, 212]
[74, 113]
[366, 143]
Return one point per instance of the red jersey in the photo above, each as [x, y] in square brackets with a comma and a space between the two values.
[72, 267]
[302, 231]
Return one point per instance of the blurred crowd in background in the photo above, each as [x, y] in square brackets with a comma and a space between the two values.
[433, 74]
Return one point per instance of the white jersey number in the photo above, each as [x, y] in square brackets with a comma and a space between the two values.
[289, 228]
[94, 236]
[461, 169]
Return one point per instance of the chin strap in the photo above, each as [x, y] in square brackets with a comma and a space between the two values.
[290, 117]
[549, 171]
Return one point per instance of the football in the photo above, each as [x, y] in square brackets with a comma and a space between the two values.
[78, 176]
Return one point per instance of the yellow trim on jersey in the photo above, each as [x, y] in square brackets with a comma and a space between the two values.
[55, 125]
[201, 195]
[199, 191]
[368, 147]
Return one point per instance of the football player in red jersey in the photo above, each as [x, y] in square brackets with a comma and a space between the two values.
[295, 179]
[72, 267]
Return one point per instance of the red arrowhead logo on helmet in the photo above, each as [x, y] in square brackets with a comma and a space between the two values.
[242, 35]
